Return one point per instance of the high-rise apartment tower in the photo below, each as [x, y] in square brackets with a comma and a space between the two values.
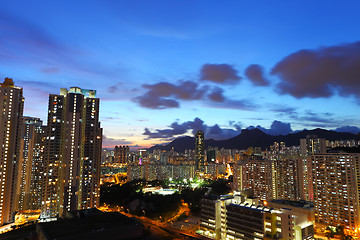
[12, 104]
[199, 149]
[335, 188]
[72, 152]
[31, 164]
[121, 154]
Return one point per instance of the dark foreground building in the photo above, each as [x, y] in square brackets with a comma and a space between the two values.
[91, 224]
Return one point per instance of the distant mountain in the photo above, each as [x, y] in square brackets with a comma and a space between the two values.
[255, 138]
[180, 144]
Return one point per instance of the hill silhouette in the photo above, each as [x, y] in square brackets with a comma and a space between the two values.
[255, 138]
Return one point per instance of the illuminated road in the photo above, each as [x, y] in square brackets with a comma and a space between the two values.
[174, 231]
[161, 230]
[6, 228]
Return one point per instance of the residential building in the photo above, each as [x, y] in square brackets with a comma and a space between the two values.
[335, 188]
[312, 145]
[31, 164]
[72, 153]
[151, 171]
[255, 174]
[211, 156]
[287, 177]
[121, 154]
[199, 149]
[12, 104]
[308, 146]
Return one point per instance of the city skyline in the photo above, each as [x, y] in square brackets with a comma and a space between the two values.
[164, 69]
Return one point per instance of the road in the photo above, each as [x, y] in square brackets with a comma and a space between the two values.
[163, 230]
[180, 234]
[6, 228]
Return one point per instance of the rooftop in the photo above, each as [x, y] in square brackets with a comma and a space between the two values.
[300, 204]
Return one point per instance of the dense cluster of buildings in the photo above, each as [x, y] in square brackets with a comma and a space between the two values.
[163, 165]
[309, 174]
[55, 168]
[327, 180]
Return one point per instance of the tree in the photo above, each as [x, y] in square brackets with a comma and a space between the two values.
[329, 233]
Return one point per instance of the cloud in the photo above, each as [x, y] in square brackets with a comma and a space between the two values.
[217, 95]
[320, 73]
[255, 74]
[276, 128]
[111, 142]
[177, 129]
[233, 104]
[50, 70]
[164, 95]
[186, 90]
[350, 129]
[219, 73]
[317, 117]
[236, 125]
[167, 95]
[280, 128]
[155, 102]
[312, 119]
[283, 110]
[308, 117]
[114, 88]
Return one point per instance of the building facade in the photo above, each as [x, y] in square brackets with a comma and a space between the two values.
[72, 153]
[31, 165]
[335, 187]
[312, 145]
[255, 174]
[239, 217]
[287, 177]
[121, 154]
[150, 172]
[199, 149]
[12, 104]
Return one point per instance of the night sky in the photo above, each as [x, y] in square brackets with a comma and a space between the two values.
[164, 69]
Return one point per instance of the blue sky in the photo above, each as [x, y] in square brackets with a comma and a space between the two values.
[164, 69]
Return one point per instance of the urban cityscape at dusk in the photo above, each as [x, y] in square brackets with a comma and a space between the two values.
[179, 120]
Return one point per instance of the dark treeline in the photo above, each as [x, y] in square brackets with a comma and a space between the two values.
[130, 197]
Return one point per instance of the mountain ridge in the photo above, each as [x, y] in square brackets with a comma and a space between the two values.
[255, 138]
